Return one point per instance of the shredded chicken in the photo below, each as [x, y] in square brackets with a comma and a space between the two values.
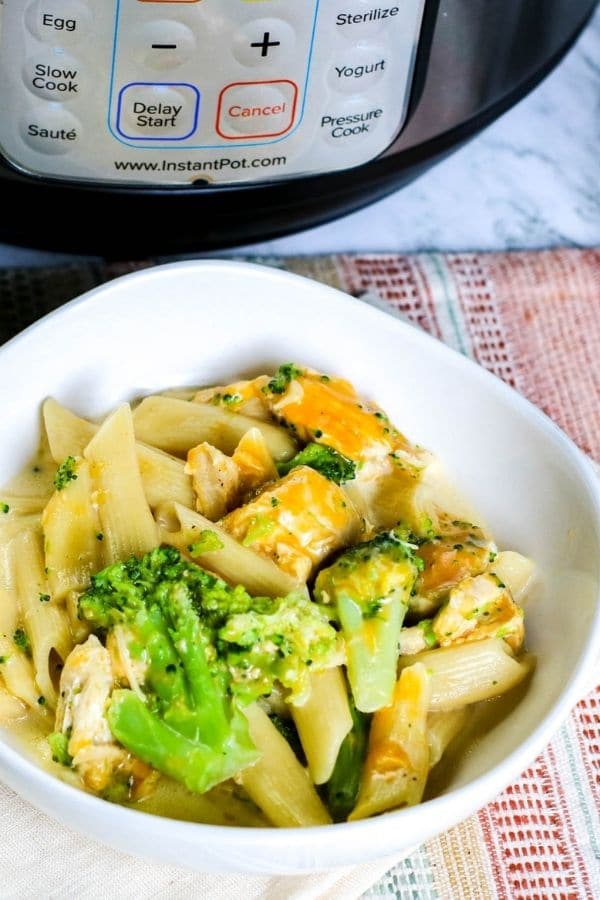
[86, 683]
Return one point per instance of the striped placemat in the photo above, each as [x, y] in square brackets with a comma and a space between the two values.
[534, 320]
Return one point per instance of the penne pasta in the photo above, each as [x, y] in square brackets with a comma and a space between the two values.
[163, 475]
[45, 623]
[397, 762]
[10, 707]
[442, 728]
[12, 505]
[11, 527]
[277, 783]
[469, 673]
[176, 426]
[323, 722]
[516, 571]
[68, 434]
[125, 517]
[182, 528]
[16, 669]
[72, 535]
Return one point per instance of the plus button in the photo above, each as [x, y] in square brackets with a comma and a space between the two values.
[265, 44]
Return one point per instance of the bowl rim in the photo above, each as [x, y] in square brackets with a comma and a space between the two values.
[468, 797]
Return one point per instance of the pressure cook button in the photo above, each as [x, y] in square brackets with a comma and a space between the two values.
[50, 129]
[62, 23]
[158, 112]
[53, 76]
[256, 109]
[353, 121]
[264, 41]
[360, 68]
[163, 44]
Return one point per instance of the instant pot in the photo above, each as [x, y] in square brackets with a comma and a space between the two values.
[140, 126]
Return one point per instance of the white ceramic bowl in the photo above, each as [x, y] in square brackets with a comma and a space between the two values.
[203, 322]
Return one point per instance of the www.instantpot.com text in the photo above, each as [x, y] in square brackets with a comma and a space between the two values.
[195, 165]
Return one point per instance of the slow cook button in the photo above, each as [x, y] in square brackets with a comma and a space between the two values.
[256, 109]
[53, 76]
[157, 111]
[354, 121]
[61, 23]
[51, 129]
[359, 69]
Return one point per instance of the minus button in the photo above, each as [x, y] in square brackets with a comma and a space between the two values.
[164, 46]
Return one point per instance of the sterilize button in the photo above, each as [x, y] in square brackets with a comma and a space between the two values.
[360, 17]
[53, 75]
[62, 23]
[50, 129]
[163, 44]
[264, 41]
[256, 109]
[158, 111]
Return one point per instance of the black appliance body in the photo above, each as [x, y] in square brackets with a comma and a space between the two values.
[132, 127]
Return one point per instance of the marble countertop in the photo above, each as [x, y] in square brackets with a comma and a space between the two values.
[530, 180]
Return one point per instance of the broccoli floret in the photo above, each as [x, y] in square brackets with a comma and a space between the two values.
[323, 459]
[284, 374]
[370, 585]
[285, 642]
[209, 648]
[65, 473]
[21, 640]
[207, 541]
[59, 745]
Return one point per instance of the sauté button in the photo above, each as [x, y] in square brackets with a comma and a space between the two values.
[256, 109]
[158, 111]
[62, 23]
[50, 129]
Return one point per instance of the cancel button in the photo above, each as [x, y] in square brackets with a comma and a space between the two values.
[256, 109]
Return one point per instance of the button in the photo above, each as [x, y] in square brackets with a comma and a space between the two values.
[361, 17]
[53, 75]
[264, 41]
[359, 69]
[351, 121]
[159, 112]
[62, 23]
[163, 44]
[258, 109]
[51, 129]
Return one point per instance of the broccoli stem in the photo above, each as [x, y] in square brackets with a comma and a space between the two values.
[344, 784]
[372, 649]
[153, 741]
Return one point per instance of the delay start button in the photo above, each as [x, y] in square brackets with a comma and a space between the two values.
[256, 109]
[155, 111]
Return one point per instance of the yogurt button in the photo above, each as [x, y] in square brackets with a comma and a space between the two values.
[358, 68]
[50, 129]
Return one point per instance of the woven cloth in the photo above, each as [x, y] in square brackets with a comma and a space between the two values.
[534, 320]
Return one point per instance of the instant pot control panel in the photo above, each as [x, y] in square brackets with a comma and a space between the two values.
[224, 91]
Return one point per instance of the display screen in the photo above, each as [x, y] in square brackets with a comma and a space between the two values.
[215, 91]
